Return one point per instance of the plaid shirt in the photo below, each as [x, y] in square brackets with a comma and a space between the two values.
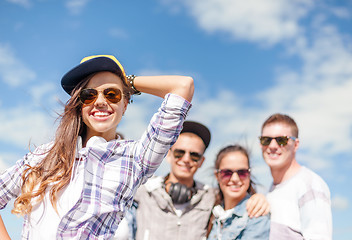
[112, 173]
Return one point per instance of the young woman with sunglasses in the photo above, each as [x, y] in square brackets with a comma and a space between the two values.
[230, 219]
[80, 185]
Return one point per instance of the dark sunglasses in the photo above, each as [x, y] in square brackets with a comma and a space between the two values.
[226, 174]
[178, 153]
[282, 140]
[89, 95]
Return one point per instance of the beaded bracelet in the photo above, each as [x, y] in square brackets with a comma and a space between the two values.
[131, 78]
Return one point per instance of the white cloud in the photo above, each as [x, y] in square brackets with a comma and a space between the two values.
[317, 95]
[341, 12]
[316, 109]
[38, 91]
[76, 6]
[264, 22]
[23, 125]
[328, 57]
[13, 71]
[339, 202]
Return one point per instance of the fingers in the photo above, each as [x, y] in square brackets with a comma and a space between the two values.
[260, 210]
[258, 206]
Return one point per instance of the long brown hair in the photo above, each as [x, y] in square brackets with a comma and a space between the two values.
[222, 153]
[56, 166]
[219, 198]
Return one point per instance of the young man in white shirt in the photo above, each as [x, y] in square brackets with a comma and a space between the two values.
[299, 198]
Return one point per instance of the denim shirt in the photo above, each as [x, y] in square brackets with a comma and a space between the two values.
[235, 224]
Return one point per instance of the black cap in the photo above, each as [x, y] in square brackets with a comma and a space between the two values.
[90, 65]
[198, 129]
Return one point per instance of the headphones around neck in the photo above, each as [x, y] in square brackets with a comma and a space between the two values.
[180, 193]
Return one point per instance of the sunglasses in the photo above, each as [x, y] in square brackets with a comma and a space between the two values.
[282, 140]
[195, 157]
[89, 95]
[226, 174]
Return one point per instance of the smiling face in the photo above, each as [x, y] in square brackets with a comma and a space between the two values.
[234, 189]
[184, 168]
[276, 156]
[102, 117]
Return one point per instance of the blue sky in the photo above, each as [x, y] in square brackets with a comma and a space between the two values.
[249, 59]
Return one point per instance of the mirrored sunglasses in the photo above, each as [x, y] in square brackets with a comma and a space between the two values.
[226, 174]
[282, 140]
[89, 95]
[179, 153]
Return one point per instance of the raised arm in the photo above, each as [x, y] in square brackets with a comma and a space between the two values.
[161, 85]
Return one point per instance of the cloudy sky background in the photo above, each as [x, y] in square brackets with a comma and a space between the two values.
[249, 59]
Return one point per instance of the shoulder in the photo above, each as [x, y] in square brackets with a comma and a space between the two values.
[206, 191]
[241, 209]
[313, 176]
[153, 184]
[262, 220]
[313, 180]
[258, 228]
[44, 148]
[35, 156]
[204, 187]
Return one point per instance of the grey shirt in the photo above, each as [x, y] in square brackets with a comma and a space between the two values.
[157, 216]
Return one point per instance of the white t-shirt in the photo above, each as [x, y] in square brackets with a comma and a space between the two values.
[301, 208]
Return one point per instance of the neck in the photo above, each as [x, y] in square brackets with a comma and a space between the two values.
[230, 203]
[107, 136]
[172, 178]
[282, 174]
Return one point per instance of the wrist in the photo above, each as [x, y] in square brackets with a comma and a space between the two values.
[130, 79]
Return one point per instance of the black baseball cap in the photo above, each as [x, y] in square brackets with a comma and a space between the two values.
[90, 65]
[198, 129]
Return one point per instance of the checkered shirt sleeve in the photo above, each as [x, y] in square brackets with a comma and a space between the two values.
[112, 173]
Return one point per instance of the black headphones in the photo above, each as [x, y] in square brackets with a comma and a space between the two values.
[180, 193]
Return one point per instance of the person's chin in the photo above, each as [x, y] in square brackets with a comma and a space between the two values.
[277, 163]
[273, 162]
[236, 194]
[184, 175]
[183, 169]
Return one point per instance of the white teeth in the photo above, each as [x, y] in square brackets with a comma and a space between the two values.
[101, 114]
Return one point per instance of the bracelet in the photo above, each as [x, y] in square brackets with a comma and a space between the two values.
[131, 78]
